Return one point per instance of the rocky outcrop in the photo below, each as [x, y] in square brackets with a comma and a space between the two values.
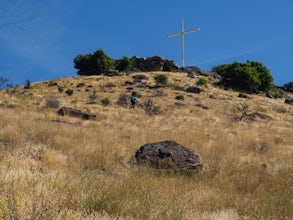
[289, 101]
[168, 155]
[193, 89]
[76, 113]
[155, 63]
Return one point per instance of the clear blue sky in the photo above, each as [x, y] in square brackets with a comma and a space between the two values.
[40, 38]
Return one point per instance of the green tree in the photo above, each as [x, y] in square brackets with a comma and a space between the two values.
[161, 79]
[289, 87]
[93, 64]
[124, 64]
[249, 76]
[169, 66]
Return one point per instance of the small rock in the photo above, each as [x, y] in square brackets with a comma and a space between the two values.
[179, 97]
[193, 89]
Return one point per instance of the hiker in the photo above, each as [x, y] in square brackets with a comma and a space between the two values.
[133, 100]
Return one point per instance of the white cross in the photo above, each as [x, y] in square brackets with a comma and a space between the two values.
[182, 32]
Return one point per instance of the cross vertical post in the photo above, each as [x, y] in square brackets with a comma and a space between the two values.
[182, 33]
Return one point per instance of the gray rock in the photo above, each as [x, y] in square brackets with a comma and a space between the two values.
[193, 89]
[111, 73]
[201, 106]
[289, 101]
[168, 155]
[76, 113]
[179, 97]
[243, 95]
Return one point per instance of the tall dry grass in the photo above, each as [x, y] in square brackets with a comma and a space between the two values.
[56, 167]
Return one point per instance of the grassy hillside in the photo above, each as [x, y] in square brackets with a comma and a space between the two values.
[61, 167]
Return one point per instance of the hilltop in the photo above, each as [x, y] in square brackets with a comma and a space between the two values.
[57, 166]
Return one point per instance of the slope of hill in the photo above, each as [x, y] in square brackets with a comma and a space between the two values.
[55, 167]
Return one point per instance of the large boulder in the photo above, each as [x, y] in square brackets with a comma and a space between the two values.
[289, 101]
[169, 155]
[76, 113]
[154, 63]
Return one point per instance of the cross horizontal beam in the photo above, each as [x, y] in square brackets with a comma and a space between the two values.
[185, 32]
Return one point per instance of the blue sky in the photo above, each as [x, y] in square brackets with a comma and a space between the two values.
[40, 38]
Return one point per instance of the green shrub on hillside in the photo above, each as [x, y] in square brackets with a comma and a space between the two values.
[202, 81]
[250, 76]
[105, 101]
[93, 64]
[69, 92]
[124, 64]
[161, 79]
[289, 87]
[168, 66]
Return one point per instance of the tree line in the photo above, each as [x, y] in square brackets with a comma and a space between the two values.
[250, 76]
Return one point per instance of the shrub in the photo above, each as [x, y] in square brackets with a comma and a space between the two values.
[124, 64]
[289, 87]
[169, 66]
[27, 84]
[150, 107]
[123, 100]
[93, 64]
[69, 92]
[202, 81]
[105, 101]
[161, 79]
[160, 93]
[60, 89]
[250, 76]
[52, 102]
[3, 82]
[275, 92]
[92, 98]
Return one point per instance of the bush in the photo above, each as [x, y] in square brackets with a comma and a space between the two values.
[123, 100]
[93, 64]
[288, 87]
[92, 98]
[161, 79]
[202, 81]
[250, 76]
[169, 66]
[52, 102]
[60, 89]
[69, 92]
[3, 82]
[105, 101]
[27, 84]
[124, 64]
[150, 107]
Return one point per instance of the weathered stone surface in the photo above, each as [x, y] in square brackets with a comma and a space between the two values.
[168, 155]
[289, 101]
[193, 89]
[243, 95]
[179, 97]
[75, 113]
[199, 105]
[111, 73]
[138, 78]
[180, 105]
[155, 63]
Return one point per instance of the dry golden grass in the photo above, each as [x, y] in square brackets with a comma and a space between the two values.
[54, 167]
